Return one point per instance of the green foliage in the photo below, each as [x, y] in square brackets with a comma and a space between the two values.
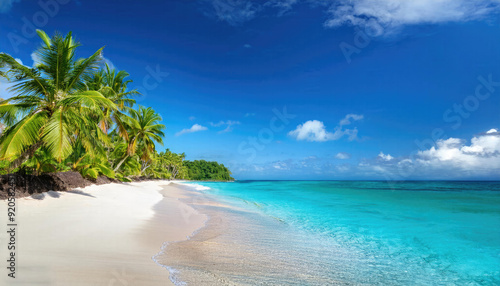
[76, 114]
[50, 103]
[208, 171]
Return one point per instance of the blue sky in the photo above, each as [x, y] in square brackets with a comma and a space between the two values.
[288, 89]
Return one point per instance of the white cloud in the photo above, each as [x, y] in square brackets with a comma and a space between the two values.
[258, 168]
[6, 5]
[108, 62]
[392, 14]
[228, 124]
[235, 12]
[249, 114]
[452, 158]
[385, 157]
[283, 6]
[192, 118]
[194, 128]
[281, 166]
[348, 117]
[453, 151]
[378, 16]
[312, 130]
[343, 156]
[35, 58]
[315, 131]
[492, 131]
[247, 46]
[480, 158]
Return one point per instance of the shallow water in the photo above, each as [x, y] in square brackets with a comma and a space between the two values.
[343, 233]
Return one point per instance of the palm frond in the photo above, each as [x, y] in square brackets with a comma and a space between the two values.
[28, 79]
[90, 99]
[56, 136]
[22, 135]
[83, 68]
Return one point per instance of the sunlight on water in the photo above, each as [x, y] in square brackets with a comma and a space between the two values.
[323, 233]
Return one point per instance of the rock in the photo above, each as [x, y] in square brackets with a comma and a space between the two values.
[29, 185]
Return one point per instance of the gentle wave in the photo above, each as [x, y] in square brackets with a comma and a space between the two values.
[374, 233]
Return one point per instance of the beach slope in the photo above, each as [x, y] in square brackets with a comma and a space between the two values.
[98, 235]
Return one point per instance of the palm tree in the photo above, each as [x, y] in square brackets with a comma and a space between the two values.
[112, 84]
[52, 106]
[172, 162]
[143, 130]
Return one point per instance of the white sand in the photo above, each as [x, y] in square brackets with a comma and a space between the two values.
[99, 235]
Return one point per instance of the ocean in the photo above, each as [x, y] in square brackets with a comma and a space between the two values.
[341, 233]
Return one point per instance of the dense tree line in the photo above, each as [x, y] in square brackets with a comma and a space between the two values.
[208, 171]
[78, 114]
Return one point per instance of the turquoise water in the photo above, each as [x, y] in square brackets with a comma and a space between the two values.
[419, 233]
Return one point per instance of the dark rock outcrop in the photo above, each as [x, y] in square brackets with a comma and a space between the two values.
[27, 185]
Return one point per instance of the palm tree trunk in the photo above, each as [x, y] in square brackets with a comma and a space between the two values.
[121, 162]
[144, 169]
[25, 156]
[175, 171]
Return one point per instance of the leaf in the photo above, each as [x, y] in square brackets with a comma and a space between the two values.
[90, 173]
[106, 171]
[57, 137]
[29, 79]
[22, 135]
[82, 68]
[44, 37]
[91, 99]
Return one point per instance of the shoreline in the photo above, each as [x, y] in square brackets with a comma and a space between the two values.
[99, 235]
[173, 195]
[29, 185]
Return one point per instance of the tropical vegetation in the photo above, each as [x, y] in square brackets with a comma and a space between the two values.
[78, 114]
[207, 171]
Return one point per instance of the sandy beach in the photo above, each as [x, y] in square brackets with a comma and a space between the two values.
[98, 235]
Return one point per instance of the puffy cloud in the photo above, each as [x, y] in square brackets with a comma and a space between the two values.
[381, 16]
[483, 152]
[312, 130]
[492, 131]
[343, 156]
[385, 157]
[452, 158]
[35, 58]
[392, 14]
[194, 128]
[6, 5]
[315, 131]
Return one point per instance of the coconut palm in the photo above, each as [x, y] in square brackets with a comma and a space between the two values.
[143, 129]
[112, 84]
[52, 106]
